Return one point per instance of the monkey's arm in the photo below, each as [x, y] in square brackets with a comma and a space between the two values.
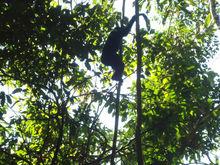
[127, 29]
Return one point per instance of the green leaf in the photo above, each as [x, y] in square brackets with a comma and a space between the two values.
[190, 67]
[110, 109]
[192, 2]
[88, 66]
[2, 97]
[17, 90]
[42, 28]
[8, 99]
[208, 20]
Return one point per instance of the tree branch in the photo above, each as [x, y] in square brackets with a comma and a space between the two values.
[60, 134]
[215, 16]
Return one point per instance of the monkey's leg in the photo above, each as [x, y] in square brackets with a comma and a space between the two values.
[118, 66]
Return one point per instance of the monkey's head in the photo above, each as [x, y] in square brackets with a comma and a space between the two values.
[124, 21]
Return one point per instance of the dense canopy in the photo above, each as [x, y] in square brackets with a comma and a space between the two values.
[53, 87]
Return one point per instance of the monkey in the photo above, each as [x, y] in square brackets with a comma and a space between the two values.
[109, 53]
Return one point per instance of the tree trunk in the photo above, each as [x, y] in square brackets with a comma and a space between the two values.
[138, 89]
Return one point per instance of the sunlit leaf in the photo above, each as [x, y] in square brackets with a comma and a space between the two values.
[208, 20]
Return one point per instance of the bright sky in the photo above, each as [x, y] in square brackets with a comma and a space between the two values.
[214, 63]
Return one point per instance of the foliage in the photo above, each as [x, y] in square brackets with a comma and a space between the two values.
[54, 88]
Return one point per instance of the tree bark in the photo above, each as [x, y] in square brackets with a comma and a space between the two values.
[138, 90]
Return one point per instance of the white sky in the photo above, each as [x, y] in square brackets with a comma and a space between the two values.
[214, 63]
